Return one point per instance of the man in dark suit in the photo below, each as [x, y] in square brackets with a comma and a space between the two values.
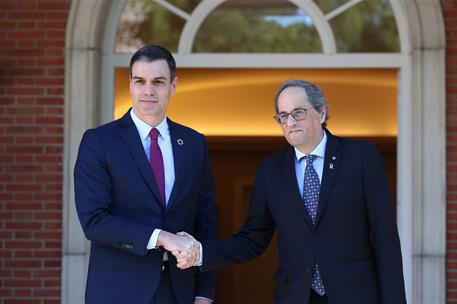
[328, 199]
[138, 181]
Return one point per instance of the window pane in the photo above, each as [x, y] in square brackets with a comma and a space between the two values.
[366, 27]
[327, 6]
[185, 5]
[272, 26]
[146, 22]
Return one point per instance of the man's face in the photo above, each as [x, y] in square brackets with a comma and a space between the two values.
[151, 88]
[305, 134]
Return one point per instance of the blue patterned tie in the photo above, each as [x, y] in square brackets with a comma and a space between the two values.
[311, 198]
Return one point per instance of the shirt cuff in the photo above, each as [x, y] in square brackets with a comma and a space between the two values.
[152, 244]
[197, 297]
[200, 260]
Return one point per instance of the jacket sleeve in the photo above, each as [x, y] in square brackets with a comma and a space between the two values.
[206, 225]
[383, 226]
[93, 188]
[253, 237]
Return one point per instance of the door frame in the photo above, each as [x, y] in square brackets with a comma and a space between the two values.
[421, 158]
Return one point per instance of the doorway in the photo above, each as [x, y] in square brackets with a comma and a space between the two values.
[421, 146]
[235, 160]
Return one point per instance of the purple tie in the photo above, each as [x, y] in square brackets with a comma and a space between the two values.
[156, 162]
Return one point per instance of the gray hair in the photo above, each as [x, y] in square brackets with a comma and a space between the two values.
[315, 95]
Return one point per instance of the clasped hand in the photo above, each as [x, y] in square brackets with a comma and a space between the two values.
[183, 246]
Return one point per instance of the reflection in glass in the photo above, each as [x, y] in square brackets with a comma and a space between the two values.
[368, 26]
[257, 26]
[327, 6]
[146, 22]
[185, 5]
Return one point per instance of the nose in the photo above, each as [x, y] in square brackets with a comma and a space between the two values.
[291, 121]
[149, 89]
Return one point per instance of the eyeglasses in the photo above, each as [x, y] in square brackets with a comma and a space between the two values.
[297, 115]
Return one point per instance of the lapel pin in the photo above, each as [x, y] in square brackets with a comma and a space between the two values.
[330, 166]
[180, 142]
[334, 157]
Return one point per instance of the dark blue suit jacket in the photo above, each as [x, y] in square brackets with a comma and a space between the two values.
[119, 207]
[355, 239]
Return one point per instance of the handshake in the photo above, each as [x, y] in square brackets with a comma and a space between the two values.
[183, 246]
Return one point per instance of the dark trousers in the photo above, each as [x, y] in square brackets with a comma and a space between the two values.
[165, 293]
[315, 298]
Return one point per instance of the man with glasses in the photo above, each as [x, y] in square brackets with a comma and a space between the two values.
[329, 201]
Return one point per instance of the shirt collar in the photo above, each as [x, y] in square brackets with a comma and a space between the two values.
[319, 150]
[144, 129]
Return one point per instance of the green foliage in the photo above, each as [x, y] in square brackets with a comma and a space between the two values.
[185, 5]
[247, 31]
[327, 6]
[146, 22]
[160, 26]
[368, 26]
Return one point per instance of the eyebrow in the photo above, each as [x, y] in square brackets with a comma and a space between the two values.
[299, 108]
[156, 78]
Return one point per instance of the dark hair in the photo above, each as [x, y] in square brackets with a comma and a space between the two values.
[152, 53]
[315, 95]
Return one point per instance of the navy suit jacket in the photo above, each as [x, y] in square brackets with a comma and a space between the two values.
[119, 206]
[355, 239]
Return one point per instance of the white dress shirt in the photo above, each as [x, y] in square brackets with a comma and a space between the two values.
[164, 141]
[318, 163]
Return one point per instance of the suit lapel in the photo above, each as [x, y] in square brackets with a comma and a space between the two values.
[288, 168]
[179, 144]
[129, 135]
[333, 155]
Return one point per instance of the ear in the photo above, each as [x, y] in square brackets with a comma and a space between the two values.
[323, 115]
[173, 85]
[130, 84]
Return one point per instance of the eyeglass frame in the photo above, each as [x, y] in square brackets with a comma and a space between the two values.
[277, 119]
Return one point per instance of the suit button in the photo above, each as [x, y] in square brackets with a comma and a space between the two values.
[127, 246]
